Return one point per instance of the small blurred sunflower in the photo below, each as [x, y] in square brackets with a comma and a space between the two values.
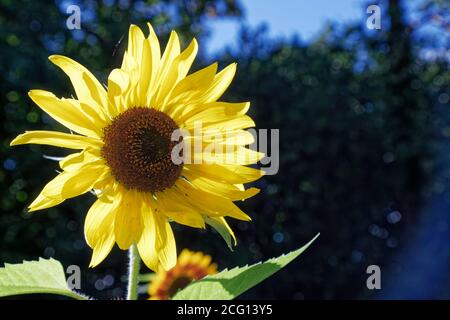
[190, 266]
[125, 137]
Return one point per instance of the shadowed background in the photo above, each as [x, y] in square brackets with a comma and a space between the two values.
[364, 133]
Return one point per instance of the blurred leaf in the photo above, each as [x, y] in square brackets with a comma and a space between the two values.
[43, 276]
[229, 284]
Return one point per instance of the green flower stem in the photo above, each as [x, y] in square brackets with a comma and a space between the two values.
[133, 273]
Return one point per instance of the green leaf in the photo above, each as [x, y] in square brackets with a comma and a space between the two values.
[222, 230]
[43, 276]
[229, 284]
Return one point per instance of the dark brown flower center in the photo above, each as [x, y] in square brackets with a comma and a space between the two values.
[178, 284]
[137, 148]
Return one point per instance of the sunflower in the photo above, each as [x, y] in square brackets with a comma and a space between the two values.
[190, 266]
[124, 138]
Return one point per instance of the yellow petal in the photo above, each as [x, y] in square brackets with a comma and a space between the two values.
[52, 190]
[229, 138]
[99, 229]
[57, 139]
[101, 120]
[155, 57]
[170, 53]
[106, 188]
[102, 249]
[71, 159]
[146, 53]
[99, 220]
[225, 190]
[147, 242]
[229, 155]
[165, 243]
[128, 222]
[132, 69]
[238, 137]
[220, 84]
[75, 161]
[183, 257]
[145, 75]
[132, 61]
[84, 179]
[43, 202]
[215, 112]
[172, 204]
[189, 89]
[87, 88]
[178, 71]
[135, 41]
[211, 204]
[205, 261]
[71, 184]
[118, 87]
[225, 173]
[67, 112]
[233, 123]
[185, 59]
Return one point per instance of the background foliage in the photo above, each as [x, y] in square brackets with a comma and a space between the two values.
[363, 133]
